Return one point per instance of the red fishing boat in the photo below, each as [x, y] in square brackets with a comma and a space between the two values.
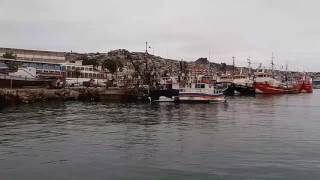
[264, 83]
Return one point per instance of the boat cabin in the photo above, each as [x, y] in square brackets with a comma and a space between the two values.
[225, 79]
[240, 77]
[200, 88]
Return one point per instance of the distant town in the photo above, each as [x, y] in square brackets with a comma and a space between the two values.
[120, 74]
[115, 68]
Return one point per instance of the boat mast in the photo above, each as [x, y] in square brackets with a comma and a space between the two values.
[233, 67]
[272, 65]
[286, 75]
[249, 65]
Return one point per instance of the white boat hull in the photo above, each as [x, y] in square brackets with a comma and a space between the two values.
[196, 97]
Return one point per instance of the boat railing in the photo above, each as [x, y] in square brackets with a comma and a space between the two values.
[196, 90]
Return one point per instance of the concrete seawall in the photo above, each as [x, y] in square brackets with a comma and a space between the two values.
[14, 96]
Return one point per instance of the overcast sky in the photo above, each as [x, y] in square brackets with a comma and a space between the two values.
[179, 29]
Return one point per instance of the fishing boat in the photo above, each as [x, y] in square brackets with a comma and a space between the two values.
[239, 84]
[225, 81]
[201, 91]
[242, 85]
[167, 92]
[265, 83]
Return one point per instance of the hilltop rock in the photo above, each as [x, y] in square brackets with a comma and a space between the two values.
[202, 61]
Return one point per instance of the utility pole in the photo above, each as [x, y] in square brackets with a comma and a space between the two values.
[146, 47]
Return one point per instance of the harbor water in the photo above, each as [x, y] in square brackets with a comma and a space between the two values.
[263, 137]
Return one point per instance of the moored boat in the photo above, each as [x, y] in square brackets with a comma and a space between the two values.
[264, 83]
[242, 85]
[168, 90]
[200, 92]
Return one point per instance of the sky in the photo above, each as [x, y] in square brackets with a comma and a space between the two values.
[178, 29]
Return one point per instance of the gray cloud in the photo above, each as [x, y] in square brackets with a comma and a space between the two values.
[175, 28]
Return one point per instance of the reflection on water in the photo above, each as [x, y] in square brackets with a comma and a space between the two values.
[249, 137]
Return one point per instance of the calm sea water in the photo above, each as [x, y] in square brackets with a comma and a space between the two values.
[266, 137]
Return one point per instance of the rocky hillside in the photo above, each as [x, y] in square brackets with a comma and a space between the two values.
[142, 61]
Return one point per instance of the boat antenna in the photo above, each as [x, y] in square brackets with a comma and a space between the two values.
[286, 72]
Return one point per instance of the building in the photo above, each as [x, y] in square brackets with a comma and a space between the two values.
[72, 72]
[76, 73]
[35, 55]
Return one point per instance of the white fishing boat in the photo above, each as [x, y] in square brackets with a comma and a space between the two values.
[201, 92]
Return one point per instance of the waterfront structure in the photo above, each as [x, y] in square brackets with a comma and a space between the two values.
[72, 72]
[24, 77]
[43, 69]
